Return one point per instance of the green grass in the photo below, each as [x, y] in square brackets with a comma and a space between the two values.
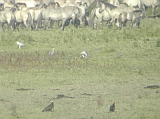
[120, 64]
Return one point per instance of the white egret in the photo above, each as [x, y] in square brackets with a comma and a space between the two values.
[84, 54]
[51, 53]
[20, 44]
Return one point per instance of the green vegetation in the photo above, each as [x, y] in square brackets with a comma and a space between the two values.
[120, 64]
[158, 43]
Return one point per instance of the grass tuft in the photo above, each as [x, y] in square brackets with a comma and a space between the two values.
[158, 43]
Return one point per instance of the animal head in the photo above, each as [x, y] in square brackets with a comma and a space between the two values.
[82, 5]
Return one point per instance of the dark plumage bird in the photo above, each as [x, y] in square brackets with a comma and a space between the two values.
[50, 107]
[112, 107]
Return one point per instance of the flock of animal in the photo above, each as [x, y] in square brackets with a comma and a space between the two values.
[50, 107]
[83, 54]
[111, 12]
[124, 13]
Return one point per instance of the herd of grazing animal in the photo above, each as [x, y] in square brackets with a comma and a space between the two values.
[33, 14]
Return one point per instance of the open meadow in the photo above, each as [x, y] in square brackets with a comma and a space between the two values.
[120, 64]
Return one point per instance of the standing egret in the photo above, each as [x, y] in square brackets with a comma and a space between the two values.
[51, 53]
[84, 54]
[20, 44]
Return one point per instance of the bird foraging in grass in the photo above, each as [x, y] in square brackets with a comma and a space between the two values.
[84, 54]
[112, 107]
[20, 44]
[51, 53]
[50, 107]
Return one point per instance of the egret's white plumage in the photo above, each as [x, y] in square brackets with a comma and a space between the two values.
[84, 54]
[51, 53]
[20, 44]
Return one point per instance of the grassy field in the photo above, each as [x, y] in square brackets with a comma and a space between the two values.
[120, 64]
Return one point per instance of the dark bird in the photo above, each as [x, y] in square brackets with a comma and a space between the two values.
[112, 107]
[50, 107]
[152, 86]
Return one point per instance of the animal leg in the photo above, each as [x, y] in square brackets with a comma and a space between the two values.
[144, 12]
[63, 24]
[46, 24]
[129, 24]
[156, 10]
[118, 24]
[92, 19]
[124, 23]
[51, 23]
[8, 22]
[32, 26]
[17, 25]
[74, 19]
[25, 24]
[12, 24]
[2, 25]
[59, 23]
[153, 11]
[81, 21]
